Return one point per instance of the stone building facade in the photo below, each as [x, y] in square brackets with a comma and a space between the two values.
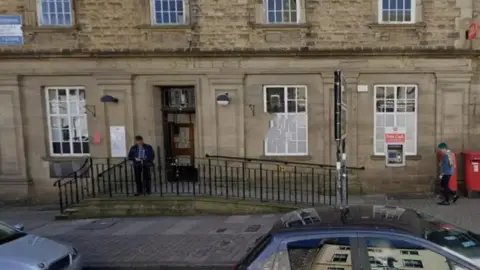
[410, 52]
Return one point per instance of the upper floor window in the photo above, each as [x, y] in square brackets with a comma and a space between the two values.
[287, 134]
[168, 11]
[282, 11]
[396, 11]
[54, 12]
[67, 121]
[395, 106]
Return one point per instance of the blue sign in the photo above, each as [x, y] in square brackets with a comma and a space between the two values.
[11, 32]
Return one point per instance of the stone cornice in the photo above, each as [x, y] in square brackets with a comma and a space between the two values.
[17, 53]
[8, 80]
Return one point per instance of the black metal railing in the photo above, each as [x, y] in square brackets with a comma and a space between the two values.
[71, 190]
[228, 177]
[284, 162]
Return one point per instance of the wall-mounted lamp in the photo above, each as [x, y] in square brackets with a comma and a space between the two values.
[108, 99]
[104, 99]
[223, 99]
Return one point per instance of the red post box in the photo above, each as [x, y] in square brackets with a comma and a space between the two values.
[471, 163]
[452, 184]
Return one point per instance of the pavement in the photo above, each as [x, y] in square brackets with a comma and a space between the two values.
[202, 242]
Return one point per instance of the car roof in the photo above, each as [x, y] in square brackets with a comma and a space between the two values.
[376, 217]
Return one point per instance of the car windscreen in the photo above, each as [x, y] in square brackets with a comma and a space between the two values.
[8, 234]
[452, 237]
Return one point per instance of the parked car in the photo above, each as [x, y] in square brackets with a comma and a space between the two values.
[22, 251]
[366, 237]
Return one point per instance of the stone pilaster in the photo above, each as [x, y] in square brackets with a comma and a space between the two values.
[452, 115]
[229, 124]
[110, 114]
[12, 148]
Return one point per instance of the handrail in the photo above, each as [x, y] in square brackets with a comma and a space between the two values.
[56, 183]
[111, 168]
[283, 162]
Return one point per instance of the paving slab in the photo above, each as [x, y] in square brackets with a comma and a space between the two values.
[203, 242]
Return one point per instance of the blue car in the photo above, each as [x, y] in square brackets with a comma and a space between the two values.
[363, 237]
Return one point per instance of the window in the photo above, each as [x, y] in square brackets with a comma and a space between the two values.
[282, 11]
[396, 11]
[320, 253]
[413, 263]
[288, 133]
[179, 97]
[168, 12]
[409, 252]
[339, 257]
[395, 106]
[67, 121]
[54, 12]
[392, 256]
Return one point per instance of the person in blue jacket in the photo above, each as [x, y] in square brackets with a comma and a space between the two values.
[142, 157]
[447, 169]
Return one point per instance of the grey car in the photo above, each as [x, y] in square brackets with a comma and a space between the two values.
[22, 251]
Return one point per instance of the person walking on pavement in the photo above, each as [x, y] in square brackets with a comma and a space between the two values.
[142, 157]
[447, 169]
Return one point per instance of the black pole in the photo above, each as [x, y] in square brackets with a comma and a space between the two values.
[340, 128]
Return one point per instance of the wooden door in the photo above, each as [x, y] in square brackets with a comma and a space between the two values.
[183, 148]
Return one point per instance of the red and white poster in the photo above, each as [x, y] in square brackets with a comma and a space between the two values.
[395, 135]
[472, 31]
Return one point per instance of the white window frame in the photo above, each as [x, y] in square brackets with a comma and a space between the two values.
[297, 7]
[49, 114]
[339, 257]
[265, 106]
[154, 17]
[40, 15]
[375, 151]
[412, 14]
[406, 263]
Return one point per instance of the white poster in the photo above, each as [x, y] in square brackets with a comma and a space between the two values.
[118, 141]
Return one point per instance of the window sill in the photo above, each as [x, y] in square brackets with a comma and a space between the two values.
[65, 158]
[377, 157]
[396, 27]
[287, 158]
[166, 27]
[50, 29]
[278, 26]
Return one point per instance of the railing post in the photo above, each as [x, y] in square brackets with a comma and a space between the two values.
[210, 175]
[295, 182]
[75, 178]
[92, 177]
[226, 180]
[177, 177]
[70, 186]
[109, 179]
[243, 179]
[329, 187]
[278, 182]
[313, 186]
[60, 196]
[160, 178]
[346, 186]
[125, 171]
[261, 182]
